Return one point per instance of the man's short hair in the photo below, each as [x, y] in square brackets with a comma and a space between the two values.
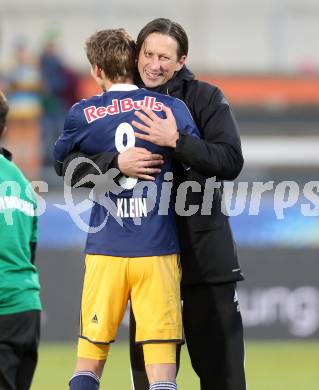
[4, 109]
[113, 51]
[166, 27]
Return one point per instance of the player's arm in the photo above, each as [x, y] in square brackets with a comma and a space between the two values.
[69, 139]
[184, 121]
[67, 149]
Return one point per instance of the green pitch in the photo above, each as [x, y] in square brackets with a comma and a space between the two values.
[269, 366]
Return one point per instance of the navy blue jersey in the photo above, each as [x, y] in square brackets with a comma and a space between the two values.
[133, 223]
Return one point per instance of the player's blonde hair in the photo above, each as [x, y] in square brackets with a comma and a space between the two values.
[114, 52]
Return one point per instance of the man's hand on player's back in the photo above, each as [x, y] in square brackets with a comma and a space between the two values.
[158, 131]
[140, 163]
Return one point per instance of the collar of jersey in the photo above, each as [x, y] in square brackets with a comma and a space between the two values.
[122, 87]
[5, 153]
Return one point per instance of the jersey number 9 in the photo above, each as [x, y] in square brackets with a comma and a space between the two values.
[125, 129]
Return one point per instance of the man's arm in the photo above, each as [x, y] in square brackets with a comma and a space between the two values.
[104, 161]
[135, 162]
[218, 153]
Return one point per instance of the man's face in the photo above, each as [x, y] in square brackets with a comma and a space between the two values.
[158, 60]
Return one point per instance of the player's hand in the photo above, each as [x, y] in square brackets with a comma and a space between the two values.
[140, 163]
[159, 131]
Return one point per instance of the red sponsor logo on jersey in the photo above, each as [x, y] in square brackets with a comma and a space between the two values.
[93, 113]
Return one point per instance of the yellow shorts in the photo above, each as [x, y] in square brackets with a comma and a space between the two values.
[151, 283]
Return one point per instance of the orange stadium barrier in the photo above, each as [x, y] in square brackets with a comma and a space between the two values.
[268, 90]
[249, 90]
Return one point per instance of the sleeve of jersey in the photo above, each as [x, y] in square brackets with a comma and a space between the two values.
[70, 137]
[184, 121]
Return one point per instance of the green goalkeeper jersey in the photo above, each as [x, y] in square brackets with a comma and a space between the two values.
[19, 282]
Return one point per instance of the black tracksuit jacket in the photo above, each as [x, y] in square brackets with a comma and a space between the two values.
[208, 251]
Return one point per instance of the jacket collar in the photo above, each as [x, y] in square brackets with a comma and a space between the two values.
[4, 152]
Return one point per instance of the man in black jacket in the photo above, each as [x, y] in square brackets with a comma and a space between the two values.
[211, 316]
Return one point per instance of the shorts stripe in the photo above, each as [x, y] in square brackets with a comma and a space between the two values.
[96, 342]
[177, 341]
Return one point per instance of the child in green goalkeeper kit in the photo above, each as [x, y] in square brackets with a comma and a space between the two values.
[19, 283]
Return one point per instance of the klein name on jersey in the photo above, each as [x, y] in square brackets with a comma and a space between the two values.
[93, 113]
[131, 207]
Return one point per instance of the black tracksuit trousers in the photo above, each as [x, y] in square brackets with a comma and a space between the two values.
[214, 335]
[19, 340]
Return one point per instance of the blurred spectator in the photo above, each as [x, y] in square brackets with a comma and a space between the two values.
[59, 94]
[23, 88]
[23, 85]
